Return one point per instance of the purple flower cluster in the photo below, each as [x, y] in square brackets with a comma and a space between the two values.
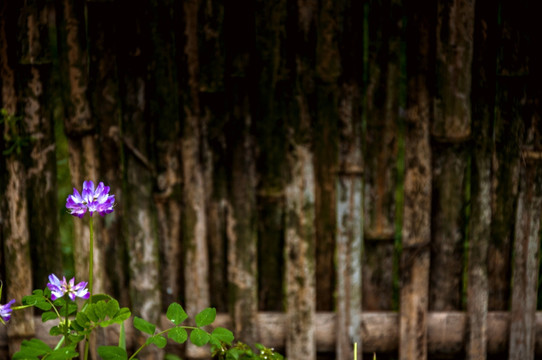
[5, 310]
[60, 288]
[94, 200]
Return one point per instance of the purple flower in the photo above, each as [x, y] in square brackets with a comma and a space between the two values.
[60, 288]
[90, 199]
[5, 310]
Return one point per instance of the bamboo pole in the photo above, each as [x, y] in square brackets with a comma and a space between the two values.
[450, 130]
[349, 231]
[13, 204]
[241, 216]
[416, 234]
[479, 237]
[300, 280]
[380, 152]
[196, 260]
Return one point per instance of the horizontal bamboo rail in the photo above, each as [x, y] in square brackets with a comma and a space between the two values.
[446, 333]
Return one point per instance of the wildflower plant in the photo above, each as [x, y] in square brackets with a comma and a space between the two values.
[78, 312]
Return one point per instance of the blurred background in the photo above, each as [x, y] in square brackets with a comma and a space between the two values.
[323, 172]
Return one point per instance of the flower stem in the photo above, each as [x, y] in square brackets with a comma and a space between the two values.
[66, 321]
[91, 256]
[90, 273]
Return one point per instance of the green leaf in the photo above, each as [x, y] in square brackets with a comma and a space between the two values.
[232, 354]
[176, 314]
[206, 317]
[100, 308]
[112, 353]
[112, 308]
[38, 300]
[121, 315]
[31, 349]
[171, 357]
[178, 334]
[223, 335]
[199, 337]
[63, 353]
[100, 297]
[157, 340]
[82, 319]
[49, 315]
[76, 338]
[55, 331]
[90, 312]
[144, 326]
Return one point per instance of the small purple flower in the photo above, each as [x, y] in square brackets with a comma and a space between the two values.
[60, 288]
[90, 199]
[5, 310]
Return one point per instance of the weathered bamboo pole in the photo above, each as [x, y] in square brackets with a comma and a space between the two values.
[483, 102]
[274, 90]
[300, 257]
[380, 152]
[80, 129]
[13, 203]
[299, 226]
[164, 108]
[35, 72]
[326, 109]
[241, 229]
[196, 265]
[139, 173]
[526, 247]
[105, 105]
[349, 229]
[416, 232]
[510, 94]
[450, 130]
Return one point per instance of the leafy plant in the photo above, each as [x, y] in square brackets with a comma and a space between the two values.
[77, 319]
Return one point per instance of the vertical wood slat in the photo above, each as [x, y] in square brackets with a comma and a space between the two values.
[196, 265]
[525, 266]
[450, 129]
[36, 71]
[273, 86]
[349, 235]
[80, 129]
[165, 110]
[139, 220]
[241, 220]
[510, 92]
[327, 70]
[300, 257]
[105, 103]
[13, 203]
[416, 236]
[380, 152]
[483, 103]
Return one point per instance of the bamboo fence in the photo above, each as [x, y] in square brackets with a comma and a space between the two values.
[327, 173]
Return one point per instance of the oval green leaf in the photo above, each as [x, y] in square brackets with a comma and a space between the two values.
[144, 326]
[206, 317]
[112, 353]
[199, 337]
[176, 314]
[178, 334]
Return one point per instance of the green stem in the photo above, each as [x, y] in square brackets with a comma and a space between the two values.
[91, 256]
[90, 273]
[66, 316]
[164, 332]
